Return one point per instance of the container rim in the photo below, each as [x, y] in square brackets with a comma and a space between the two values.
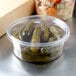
[53, 43]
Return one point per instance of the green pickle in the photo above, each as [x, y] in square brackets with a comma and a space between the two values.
[26, 33]
[45, 34]
[54, 32]
[52, 39]
[35, 39]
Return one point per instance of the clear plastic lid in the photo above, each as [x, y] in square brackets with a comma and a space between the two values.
[16, 26]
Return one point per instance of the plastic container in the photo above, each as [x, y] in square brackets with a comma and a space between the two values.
[59, 8]
[47, 51]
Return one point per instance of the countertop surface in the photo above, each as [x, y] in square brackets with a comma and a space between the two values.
[63, 66]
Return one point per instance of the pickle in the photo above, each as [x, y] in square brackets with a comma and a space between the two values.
[46, 50]
[60, 31]
[35, 39]
[51, 39]
[46, 33]
[54, 32]
[27, 31]
[44, 57]
[25, 55]
[34, 58]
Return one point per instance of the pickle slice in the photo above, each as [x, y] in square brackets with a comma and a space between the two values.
[35, 39]
[26, 32]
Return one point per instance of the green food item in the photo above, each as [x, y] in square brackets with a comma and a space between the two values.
[34, 58]
[60, 31]
[42, 58]
[52, 39]
[45, 34]
[27, 31]
[45, 50]
[54, 32]
[35, 39]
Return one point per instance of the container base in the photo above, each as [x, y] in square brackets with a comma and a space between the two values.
[34, 62]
